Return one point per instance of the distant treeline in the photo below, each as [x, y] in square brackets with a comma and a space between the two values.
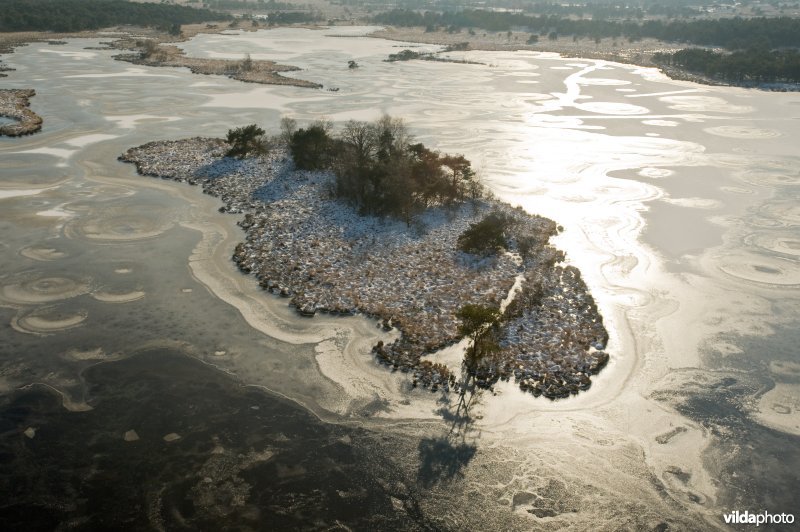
[733, 34]
[292, 17]
[740, 66]
[261, 5]
[78, 15]
[610, 10]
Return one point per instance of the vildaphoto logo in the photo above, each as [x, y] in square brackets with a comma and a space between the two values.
[764, 518]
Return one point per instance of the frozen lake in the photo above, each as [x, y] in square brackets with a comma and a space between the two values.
[680, 204]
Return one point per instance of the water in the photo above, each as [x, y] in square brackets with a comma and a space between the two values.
[680, 207]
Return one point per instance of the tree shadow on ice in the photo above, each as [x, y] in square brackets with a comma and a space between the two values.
[444, 458]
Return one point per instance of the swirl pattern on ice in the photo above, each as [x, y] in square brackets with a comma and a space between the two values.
[30, 289]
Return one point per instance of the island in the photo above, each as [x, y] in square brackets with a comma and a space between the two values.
[369, 222]
[15, 104]
[154, 52]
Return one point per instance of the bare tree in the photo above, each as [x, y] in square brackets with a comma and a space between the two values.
[361, 136]
[288, 127]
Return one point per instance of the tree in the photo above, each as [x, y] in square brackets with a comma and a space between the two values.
[361, 137]
[479, 323]
[392, 135]
[247, 64]
[310, 147]
[461, 175]
[246, 140]
[288, 127]
[148, 48]
[487, 236]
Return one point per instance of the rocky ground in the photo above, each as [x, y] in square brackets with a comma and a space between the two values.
[14, 103]
[319, 252]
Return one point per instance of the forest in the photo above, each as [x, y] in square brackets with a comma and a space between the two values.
[759, 49]
[751, 65]
[79, 15]
[732, 34]
[260, 5]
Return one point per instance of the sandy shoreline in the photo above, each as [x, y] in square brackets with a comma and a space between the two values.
[325, 257]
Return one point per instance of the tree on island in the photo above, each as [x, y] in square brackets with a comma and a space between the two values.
[379, 170]
[288, 127]
[148, 48]
[487, 236]
[247, 64]
[245, 141]
[311, 147]
[479, 323]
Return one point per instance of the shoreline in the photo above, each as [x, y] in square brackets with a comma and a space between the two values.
[15, 104]
[269, 73]
[317, 251]
[637, 53]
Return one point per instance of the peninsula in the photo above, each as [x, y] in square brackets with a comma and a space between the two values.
[333, 237]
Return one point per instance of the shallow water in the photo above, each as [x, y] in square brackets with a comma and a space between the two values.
[680, 207]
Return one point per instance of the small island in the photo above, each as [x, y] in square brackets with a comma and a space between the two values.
[154, 52]
[15, 104]
[367, 221]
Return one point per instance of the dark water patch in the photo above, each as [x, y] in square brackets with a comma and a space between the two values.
[242, 459]
[765, 269]
[167, 312]
[756, 468]
[756, 353]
